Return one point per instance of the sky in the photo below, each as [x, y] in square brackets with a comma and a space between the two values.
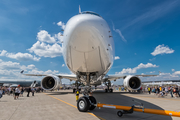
[146, 36]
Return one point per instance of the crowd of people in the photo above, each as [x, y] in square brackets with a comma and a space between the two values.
[162, 91]
[18, 91]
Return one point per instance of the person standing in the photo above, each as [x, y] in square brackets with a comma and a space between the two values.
[171, 91]
[17, 92]
[22, 91]
[149, 90]
[28, 91]
[33, 90]
[166, 90]
[1, 93]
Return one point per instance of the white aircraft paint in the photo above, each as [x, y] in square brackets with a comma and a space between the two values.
[88, 44]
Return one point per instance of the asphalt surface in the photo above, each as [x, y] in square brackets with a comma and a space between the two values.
[61, 105]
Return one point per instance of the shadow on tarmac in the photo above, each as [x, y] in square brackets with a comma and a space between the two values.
[59, 93]
[117, 98]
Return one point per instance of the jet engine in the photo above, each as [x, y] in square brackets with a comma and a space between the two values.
[132, 82]
[51, 82]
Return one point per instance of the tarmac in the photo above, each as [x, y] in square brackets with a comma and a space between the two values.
[61, 105]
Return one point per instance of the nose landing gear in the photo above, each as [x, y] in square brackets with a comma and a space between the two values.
[86, 103]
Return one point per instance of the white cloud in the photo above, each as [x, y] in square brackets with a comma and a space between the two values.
[63, 65]
[128, 70]
[134, 70]
[60, 23]
[11, 70]
[177, 72]
[43, 36]
[47, 45]
[9, 65]
[19, 56]
[162, 76]
[22, 56]
[173, 70]
[148, 65]
[161, 49]
[31, 66]
[49, 72]
[116, 57]
[3, 53]
[152, 59]
[152, 72]
[120, 34]
[59, 36]
[46, 50]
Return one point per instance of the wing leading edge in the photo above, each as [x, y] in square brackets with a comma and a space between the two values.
[66, 76]
[114, 77]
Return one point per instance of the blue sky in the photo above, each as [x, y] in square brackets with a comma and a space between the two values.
[146, 36]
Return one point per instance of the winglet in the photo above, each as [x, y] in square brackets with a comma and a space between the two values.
[22, 71]
[79, 9]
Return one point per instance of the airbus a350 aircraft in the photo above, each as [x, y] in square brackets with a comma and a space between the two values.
[88, 51]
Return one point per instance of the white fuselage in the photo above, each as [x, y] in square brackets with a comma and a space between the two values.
[88, 45]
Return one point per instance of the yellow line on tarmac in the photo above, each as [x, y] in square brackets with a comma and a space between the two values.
[74, 106]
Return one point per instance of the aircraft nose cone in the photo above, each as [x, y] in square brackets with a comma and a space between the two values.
[84, 34]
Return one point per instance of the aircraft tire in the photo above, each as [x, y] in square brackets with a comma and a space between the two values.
[93, 100]
[83, 104]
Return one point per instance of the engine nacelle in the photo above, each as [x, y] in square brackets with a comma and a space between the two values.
[132, 82]
[51, 82]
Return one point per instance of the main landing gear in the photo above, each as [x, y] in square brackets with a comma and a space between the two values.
[108, 84]
[77, 84]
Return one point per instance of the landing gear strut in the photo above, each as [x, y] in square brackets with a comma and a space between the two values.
[86, 102]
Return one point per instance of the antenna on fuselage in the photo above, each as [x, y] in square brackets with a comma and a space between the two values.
[79, 9]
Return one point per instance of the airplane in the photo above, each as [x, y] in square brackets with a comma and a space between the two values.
[88, 51]
[22, 83]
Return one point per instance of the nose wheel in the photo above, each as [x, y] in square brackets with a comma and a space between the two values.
[86, 103]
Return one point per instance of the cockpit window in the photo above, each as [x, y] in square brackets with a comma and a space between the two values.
[89, 12]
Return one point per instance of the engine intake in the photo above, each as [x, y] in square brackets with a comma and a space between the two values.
[132, 82]
[51, 82]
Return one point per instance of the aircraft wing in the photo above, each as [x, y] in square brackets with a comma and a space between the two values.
[70, 77]
[114, 77]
